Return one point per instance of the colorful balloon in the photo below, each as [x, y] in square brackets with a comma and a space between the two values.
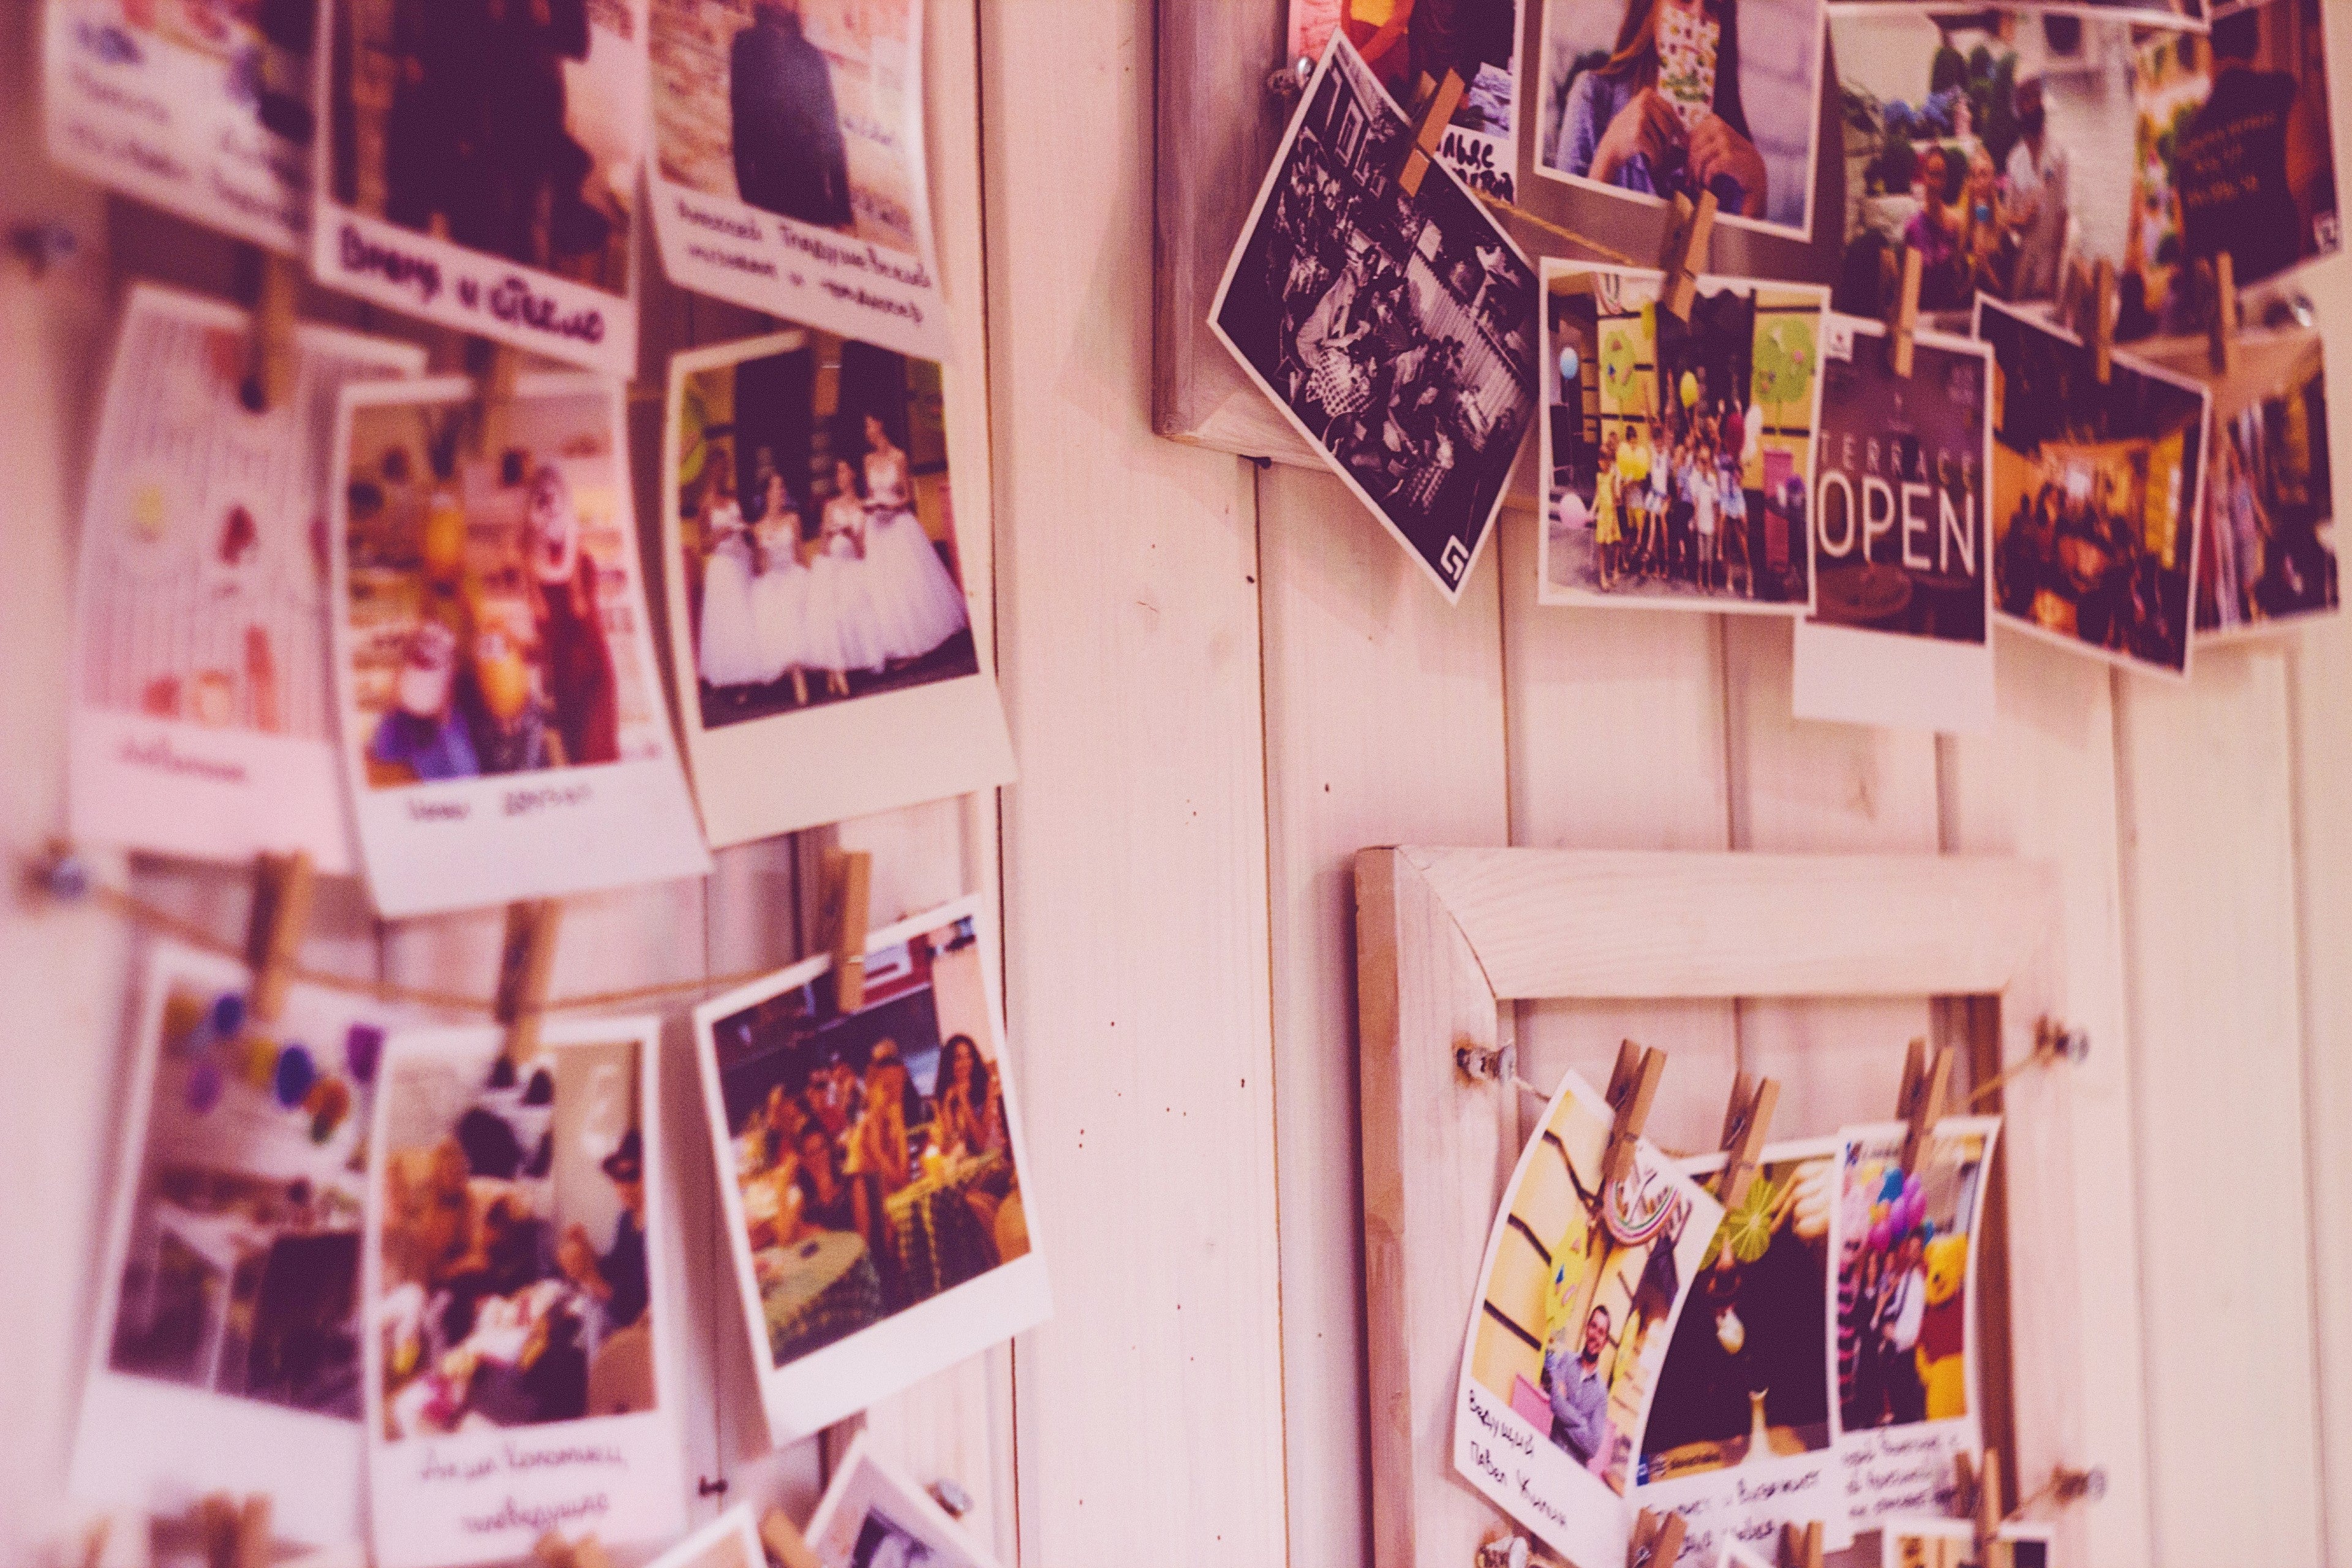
[295, 1075]
[1690, 389]
[362, 1049]
[204, 1086]
[229, 1015]
[1570, 365]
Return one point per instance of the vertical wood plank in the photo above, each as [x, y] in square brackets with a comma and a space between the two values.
[1383, 726]
[1135, 843]
[2216, 1024]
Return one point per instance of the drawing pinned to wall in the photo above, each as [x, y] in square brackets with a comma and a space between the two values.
[1405, 41]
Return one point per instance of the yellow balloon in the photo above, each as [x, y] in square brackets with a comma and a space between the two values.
[444, 546]
[1690, 389]
[260, 1062]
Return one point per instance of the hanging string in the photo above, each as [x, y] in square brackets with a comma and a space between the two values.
[1608, 252]
[2044, 1053]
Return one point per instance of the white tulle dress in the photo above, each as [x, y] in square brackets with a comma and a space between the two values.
[780, 599]
[729, 652]
[844, 615]
[917, 602]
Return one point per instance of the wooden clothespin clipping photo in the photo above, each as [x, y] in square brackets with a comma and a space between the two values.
[1657, 1541]
[236, 1534]
[1747, 1121]
[526, 963]
[849, 879]
[1632, 1085]
[1433, 112]
[500, 369]
[1682, 257]
[2102, 334]
[281, 907]
[1903, 314]
[1920, 1103]
[268, 379]
[2223, 323]
[1801, 1547]
[786, 1546]
[554, 1552]
[1977, 1497]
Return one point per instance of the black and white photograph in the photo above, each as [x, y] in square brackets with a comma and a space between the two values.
[872, 1517]
[1396, 331]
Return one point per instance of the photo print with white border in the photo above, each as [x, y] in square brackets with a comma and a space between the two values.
[1478, 40]
[1583, 1284]
[1901, 633]
[202, 109]
[872, 1517]
[1648, 100]
[730, 1540]
[788, 163]
[2152, 13]
[482, 174]
[520, 1371]
[1396, 333]
[504, 731]
[1904, 1335]
[1738, 1440]
[870, 1171]
[1935, 1542]
[227, 1354]
[2097, 493]
[1677, 460]
[203, 721]
[822, 645]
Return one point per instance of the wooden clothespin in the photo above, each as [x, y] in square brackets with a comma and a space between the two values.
[1433, 112]
[2074, 282]
[497, 400]
[1921, 1102]
[2223, 324]
[786, 1545]
[1903, 316]
[1658, 1539]
[1801, 1548]
[234, 1534]
[552, 1551]
[1683, 256]
[1632, 1084]
[849, 879]
[281, 907]
[2103, 322]
[1745, 1121]
[526, 963]
[268, 379]
[1977, 1498]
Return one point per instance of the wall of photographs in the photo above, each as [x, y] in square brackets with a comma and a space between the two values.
[1182, 940]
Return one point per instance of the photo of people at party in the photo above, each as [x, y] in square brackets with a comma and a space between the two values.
[513, 1289]
[1680, 454]
[872, 1151]
[873, 1518]
[816, 527]
[803, 108]
[509, 127]
[1663, 99]
[493, 604]
[2005, 147]
[1405, 41]
[1396, 330]
[1906, 1240]
[2096, 493]
[240, 1260]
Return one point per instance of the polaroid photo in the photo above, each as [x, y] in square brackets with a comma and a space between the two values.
[820, 640]
[730, 1540]
[1649, 99]
[203, 719]
[2030, 1545]
[1901, 633]
[871, 1170]
[503, 730]
[199, 107]
[1584, 1282]
[2267, 553]
[872, 1517]
[228, 1351]
[1927, 1542]
[1677, 460]
[1738, 1441]
[478, 169]
[1478, 40]
[519, 1367]
[787, 172]
[1905, 1333]
[2096, 493]
[1397, 333]
[1735, 1555]
[2175, 14]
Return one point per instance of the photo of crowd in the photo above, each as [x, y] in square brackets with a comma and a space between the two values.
[493, 608]
[509, 127]
[803, 108]
[2005, 147]
[1905, 1338]
[815, 528]
[239, 1270]
[2096, 493]
[1658, 99]
[1679, 455]
[872, 1152]
[513, 1268]
[1396, 330]
[1404, 41]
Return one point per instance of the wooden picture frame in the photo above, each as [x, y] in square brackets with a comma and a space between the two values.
[1446, 937]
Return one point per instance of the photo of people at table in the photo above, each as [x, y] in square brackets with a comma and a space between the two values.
[872, 1150]
[514, 1290]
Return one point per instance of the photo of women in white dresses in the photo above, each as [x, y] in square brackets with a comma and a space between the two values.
[817, 537]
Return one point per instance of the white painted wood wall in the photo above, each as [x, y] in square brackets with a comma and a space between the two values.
[1222, 682]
